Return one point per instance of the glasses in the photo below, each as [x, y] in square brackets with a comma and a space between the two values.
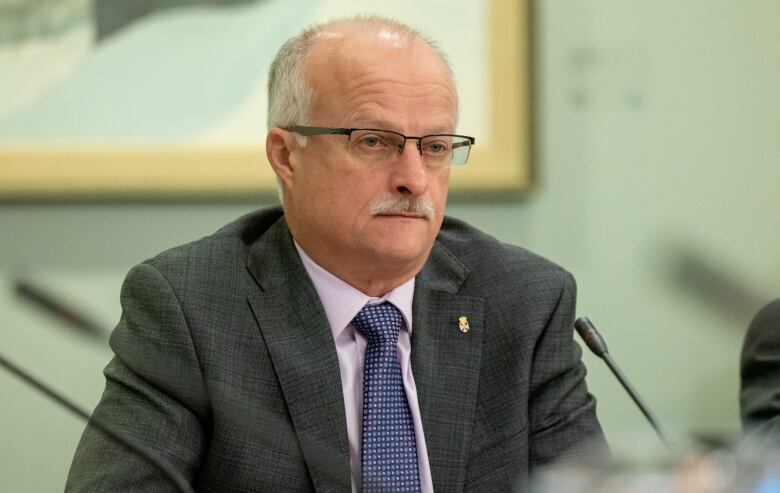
[381, 146]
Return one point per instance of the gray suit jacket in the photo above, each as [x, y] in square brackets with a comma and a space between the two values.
[225, 366]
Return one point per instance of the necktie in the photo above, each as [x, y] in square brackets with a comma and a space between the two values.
[389, 456]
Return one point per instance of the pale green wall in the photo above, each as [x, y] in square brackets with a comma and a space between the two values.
[657, 138]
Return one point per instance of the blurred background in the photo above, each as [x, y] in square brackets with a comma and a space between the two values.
[655, 154]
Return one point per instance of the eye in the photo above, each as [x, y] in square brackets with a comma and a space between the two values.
[437, 147]
[370, 141]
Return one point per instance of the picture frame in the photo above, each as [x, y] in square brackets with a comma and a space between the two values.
[499, 165]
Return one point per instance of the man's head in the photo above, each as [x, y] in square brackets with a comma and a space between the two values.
[370, 221]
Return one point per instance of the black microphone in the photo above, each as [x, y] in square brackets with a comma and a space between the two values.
[161, 465]
[45, 301]
[598, 346]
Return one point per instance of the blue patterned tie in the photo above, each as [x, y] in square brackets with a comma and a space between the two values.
[389, 458]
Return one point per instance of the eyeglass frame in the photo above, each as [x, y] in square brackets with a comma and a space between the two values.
[307, 131]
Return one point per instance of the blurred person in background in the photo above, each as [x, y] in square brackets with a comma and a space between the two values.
[760, 374]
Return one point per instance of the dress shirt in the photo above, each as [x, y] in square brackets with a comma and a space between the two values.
[342, 303]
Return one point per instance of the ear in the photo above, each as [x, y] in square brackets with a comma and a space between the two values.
[279, 144]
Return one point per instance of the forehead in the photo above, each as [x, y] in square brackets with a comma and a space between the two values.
[356, 72]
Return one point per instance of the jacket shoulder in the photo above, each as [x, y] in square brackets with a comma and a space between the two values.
[227, 248]
[486, 257]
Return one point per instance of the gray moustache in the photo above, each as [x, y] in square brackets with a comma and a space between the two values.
[402, 206]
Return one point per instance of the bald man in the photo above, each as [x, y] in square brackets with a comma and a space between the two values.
[354, 339]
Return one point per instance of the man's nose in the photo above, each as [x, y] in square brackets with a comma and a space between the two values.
[413, 142]
[409, 173]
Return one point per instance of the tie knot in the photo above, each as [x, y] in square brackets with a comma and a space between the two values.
[380, 323]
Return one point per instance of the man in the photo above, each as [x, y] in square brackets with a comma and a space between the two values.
[357, 335]
[760, 388]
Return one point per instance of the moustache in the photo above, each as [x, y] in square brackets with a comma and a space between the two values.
[403, 205]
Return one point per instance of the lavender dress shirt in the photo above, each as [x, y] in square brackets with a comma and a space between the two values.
[341, 303]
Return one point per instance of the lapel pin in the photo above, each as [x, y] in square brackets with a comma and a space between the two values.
[463, 324]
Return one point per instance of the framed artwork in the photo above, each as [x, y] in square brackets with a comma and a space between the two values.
[167, 100]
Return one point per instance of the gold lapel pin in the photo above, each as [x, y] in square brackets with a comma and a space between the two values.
[463, 324]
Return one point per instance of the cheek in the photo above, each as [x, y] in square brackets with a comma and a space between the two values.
[342, 200]
[439, 183]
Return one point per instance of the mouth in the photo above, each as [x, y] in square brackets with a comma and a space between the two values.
[403, 215]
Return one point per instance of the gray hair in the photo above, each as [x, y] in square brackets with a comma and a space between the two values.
[290, 94]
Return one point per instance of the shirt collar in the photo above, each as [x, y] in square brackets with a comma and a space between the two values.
[342, 301]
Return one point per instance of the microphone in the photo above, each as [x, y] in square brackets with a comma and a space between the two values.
[161, 465]
[598, 346]
[67, 314]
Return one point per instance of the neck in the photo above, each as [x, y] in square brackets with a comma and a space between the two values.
[375, 282]
[374, 286]
[369, 281]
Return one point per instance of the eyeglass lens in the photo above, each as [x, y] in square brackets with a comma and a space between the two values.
[436, 150]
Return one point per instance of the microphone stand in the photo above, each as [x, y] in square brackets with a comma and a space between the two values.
[162, 466]
[598, 346]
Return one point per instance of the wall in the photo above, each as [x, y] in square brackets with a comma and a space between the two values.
[657, 161]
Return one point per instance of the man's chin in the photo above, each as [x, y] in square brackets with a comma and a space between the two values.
[402, 241]
[402, 253]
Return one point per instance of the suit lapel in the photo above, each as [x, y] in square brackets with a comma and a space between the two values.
[299, 340]
[446, 363]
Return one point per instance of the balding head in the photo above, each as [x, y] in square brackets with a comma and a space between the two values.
[292, 83]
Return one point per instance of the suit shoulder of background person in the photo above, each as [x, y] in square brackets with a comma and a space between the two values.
[760, 375]
[764, 330]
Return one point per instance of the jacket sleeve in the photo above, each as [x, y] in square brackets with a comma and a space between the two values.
[154, 395]
[562, 413]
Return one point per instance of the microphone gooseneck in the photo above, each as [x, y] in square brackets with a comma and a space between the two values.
[169, 472]
[598, 346]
